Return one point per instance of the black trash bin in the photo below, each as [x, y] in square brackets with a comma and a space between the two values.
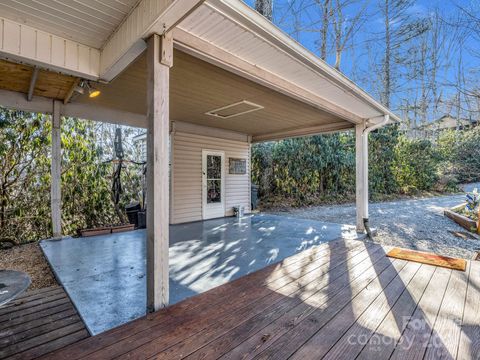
[132, 213]
[254, 196]
[142, 219]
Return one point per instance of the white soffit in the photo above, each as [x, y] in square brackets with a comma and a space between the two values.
[237, 29]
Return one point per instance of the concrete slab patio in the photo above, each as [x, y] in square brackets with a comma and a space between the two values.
[105, 275]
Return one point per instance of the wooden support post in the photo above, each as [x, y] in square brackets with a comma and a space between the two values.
[55, 187]
[361, 176]
[157, 170]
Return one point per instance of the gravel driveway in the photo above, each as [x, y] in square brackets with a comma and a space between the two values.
[416, 224]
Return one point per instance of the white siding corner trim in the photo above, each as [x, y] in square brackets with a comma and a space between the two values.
[187, 175]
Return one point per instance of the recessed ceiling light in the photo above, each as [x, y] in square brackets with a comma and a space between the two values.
[235, 109]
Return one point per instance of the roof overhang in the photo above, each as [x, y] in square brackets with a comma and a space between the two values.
[225, 33]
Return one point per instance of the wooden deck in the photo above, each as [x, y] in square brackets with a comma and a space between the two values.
[39, 322]
[342, 300]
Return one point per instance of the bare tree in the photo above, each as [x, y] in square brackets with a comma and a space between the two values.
[400, 28]
[345, 27]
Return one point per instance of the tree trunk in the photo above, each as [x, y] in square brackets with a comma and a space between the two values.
[265, 7]
[386, 63]
[324, 29]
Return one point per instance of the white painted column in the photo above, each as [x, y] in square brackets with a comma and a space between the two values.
[56, 169]
[361, 175]
[159, 60]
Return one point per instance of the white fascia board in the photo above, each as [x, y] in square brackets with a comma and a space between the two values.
[147, 18]
[25, 44]
[260, 26]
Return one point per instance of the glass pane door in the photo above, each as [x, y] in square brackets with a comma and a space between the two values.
[214, 179]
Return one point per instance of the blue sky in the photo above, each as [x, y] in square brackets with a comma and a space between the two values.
[357, 60]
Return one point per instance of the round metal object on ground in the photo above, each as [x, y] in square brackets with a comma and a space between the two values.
[12, 284]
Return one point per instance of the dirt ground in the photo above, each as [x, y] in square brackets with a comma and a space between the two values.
[28, 258]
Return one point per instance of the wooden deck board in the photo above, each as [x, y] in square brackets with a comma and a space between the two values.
[447, 329]
[386, 336]
[37, 323]
[469, 346]
[245, 333]
[291, 295]
[341, 300]
[415, 338]
[364, 326]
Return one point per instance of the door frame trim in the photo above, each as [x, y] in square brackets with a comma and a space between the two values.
[220, 153]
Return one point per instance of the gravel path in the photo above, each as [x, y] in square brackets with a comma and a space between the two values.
[417, 224]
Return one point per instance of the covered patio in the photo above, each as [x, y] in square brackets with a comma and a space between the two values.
[105, 275]
[205, 78]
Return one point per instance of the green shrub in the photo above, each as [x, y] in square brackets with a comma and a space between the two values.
[323, 167]
[415, 165]
[25, 145]
[460, 152]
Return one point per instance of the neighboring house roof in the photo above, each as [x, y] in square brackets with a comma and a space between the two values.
[445, 122]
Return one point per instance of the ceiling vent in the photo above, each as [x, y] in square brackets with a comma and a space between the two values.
[236, 109]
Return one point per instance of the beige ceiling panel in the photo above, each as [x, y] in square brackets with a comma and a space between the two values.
[197, 87]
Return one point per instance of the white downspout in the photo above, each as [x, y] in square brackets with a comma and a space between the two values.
[366, 131]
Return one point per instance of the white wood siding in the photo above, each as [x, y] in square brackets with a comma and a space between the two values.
[24, 43]
[89, 22]
[187, 175]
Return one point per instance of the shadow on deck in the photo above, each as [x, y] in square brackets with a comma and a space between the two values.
[340, 300]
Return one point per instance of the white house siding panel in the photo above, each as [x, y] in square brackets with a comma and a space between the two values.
[20, 42]
[187, 175]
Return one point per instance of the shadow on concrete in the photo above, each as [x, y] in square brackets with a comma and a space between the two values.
[105, 275]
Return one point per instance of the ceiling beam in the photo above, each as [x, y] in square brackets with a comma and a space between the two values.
[33, 82]
[147, 18]
[16, 100]
[303, 131]
[104, 114]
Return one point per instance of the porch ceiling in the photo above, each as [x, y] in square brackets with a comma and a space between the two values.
[17, 77]
[197, 87]
[87, 22]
